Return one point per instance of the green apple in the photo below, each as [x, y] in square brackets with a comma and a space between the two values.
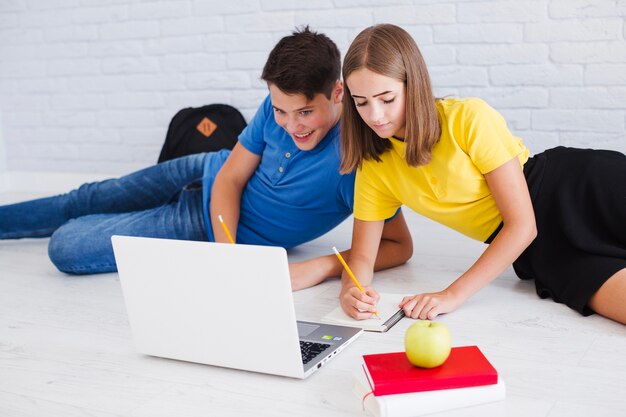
[427, 343]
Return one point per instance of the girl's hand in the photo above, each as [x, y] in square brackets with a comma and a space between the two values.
[430, 305]
[357, 305]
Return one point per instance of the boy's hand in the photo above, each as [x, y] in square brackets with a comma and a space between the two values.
[429, 305]
[305, 274]
[357, 305]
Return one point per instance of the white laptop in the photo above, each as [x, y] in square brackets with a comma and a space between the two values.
[220, 304]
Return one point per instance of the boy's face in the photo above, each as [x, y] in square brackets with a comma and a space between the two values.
[306, 121]
[380, 101]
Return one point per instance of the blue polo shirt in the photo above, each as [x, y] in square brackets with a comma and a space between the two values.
[293, 196]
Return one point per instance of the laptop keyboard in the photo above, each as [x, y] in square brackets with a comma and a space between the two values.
[310, 350]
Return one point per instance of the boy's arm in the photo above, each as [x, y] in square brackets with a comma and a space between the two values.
[227, 189]
[396, 247]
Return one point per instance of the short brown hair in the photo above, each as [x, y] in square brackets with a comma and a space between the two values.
[305, 62]
[390, 51]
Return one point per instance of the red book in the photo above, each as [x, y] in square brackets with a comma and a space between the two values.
[392, 373]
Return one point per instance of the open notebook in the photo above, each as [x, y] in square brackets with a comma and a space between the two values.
[388, 311]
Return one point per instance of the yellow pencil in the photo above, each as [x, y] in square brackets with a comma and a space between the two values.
[225, 229]
[351, 275]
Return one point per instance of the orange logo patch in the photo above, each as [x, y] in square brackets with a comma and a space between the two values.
[206, 127]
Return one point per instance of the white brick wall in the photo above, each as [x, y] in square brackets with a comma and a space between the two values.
[90, 85]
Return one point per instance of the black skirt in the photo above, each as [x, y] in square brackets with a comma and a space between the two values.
[579, 198]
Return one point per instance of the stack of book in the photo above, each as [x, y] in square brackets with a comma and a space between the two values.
[393, 387]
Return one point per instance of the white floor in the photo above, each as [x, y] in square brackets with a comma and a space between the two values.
[65, 347]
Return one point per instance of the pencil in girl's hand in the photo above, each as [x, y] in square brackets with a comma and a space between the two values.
[351, 275]
[230, 238]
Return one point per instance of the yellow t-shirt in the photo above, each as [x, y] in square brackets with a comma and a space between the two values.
[451, 189]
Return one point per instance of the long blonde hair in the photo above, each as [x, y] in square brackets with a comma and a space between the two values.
[390, 51]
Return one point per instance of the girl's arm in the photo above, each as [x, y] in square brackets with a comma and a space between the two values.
[396, 247]
[510, 191]
[366, 237]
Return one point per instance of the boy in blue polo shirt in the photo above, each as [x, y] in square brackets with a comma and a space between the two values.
[279, 186]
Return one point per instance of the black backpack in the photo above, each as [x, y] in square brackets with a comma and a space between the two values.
[202, 129]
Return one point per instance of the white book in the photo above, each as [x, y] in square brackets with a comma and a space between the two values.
[388, 311]
[426, 402]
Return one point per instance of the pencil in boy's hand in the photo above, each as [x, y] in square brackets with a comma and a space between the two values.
[351, 275]
[230, 238]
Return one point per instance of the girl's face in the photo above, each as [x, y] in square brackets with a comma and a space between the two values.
[380, 101]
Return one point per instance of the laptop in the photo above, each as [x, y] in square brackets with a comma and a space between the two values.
[220, 304]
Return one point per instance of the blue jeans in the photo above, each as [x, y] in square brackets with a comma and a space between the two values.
[163, 201]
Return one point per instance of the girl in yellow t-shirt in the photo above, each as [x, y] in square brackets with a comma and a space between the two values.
[558, 217]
